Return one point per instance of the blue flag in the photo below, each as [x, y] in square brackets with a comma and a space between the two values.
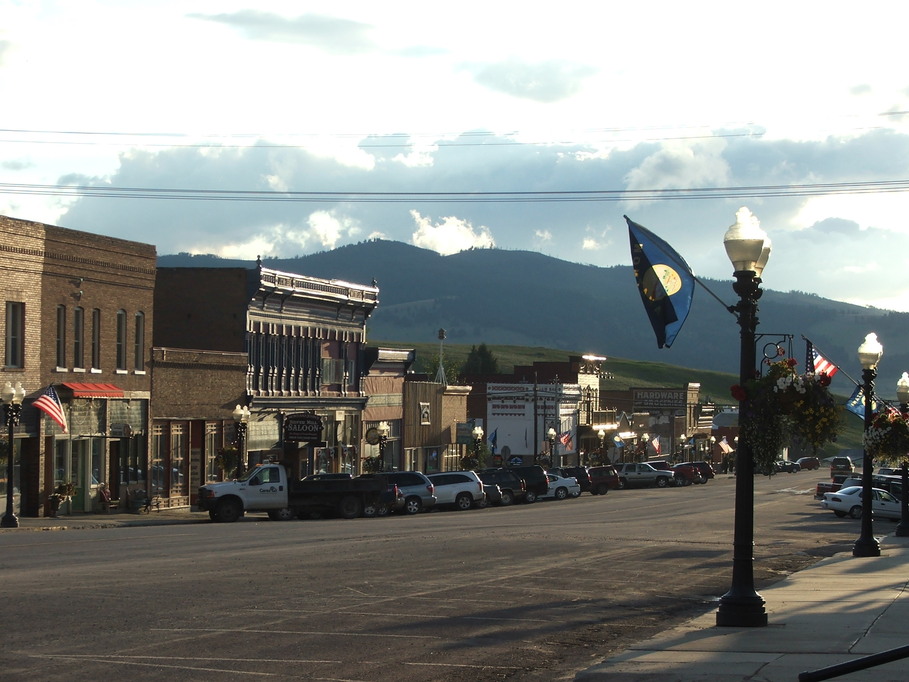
[856, 403]
[665, 282]
[493, 440]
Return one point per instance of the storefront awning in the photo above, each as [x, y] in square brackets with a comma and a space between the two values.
[81, 390]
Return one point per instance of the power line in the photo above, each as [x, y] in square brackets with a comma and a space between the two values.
[743, 192]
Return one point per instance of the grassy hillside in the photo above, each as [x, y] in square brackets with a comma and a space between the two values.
[624, 374]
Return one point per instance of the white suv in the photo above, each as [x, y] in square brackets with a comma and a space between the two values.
[460, 489]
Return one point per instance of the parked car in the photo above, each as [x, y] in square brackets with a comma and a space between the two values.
[493, 495]
[703, 471]
[511, 486]
[580, 474]
[561, 487]
[638, 474]
[459, 489]
[848, 501]
[892, 484]
[841, 465]
[809, 463]
[603, 479]
[888, 471]
[417, 489]
[685, 474]
[706, 469]
[535, 481]
[787, 466]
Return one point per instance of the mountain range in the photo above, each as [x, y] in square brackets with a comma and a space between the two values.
[524, 298]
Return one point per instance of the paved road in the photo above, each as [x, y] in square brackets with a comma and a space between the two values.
[526, 592]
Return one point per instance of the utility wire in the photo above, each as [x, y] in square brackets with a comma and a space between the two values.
[798, 190]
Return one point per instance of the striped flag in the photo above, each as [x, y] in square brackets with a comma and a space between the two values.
[50, 403]
[822, 365]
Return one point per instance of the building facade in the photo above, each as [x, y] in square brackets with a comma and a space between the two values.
[303, 339]
[78, 316]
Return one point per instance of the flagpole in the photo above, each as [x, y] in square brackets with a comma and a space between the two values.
[813, 345]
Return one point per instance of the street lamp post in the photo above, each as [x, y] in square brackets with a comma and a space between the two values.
[645, 439]
[477, 443]
[748, 247]
[902, 394]
[552, 436]
[682, 439]
[12, 403]
[241, 421]
[384, 429]
[869, 353]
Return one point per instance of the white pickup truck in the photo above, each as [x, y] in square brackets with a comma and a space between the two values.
[268, 488]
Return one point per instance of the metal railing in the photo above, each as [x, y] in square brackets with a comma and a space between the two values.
[852, 666]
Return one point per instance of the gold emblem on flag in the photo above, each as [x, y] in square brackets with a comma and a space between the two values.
[660, 280]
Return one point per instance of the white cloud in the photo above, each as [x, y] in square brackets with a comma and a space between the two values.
[590, 244]
[450, 236]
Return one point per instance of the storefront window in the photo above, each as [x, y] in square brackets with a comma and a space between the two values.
[178, 457]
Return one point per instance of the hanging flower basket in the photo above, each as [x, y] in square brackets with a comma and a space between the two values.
[372, 465]
[785, 405]
[887, 439]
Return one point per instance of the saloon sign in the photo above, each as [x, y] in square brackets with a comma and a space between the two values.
[303, 428]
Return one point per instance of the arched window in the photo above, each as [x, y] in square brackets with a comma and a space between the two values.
[139, 346]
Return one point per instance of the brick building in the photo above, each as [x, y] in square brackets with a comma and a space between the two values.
[301, 339]
[78, 315]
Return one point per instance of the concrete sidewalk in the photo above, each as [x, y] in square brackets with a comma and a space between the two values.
[840, 609]
[116, 519]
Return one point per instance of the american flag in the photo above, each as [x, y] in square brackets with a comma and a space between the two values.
[565, 440]
[822, 365]
[50, 403]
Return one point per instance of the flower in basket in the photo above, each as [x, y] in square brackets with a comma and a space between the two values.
[65, 490]
[887, 438]
[785, 404]
[372, 464]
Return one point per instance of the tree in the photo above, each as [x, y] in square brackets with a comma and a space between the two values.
[480, 360]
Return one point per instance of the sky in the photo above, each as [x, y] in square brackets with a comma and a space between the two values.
[279, 129]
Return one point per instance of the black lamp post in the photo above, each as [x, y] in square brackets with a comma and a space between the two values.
[552, 436]
[12, 403]
[902, 394]
[748, 247]
[241, 421]
[384, 429]
[869, 353]
[477, 443]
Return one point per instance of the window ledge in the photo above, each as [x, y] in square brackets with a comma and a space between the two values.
[139, 371]
[61, 369]
[95, 371]
[79, 369]
[121, 371]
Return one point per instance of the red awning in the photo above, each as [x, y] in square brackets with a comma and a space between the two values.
[94, 390]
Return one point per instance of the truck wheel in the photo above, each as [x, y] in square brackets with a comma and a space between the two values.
[623, 484]
[530, 497]
[662, 482]
[350, 507]
[383, 510]
[370, 510]
[601, 489]
[229, 510]
[507, 498]
[413, 505]
[463, 502]
[284, 514]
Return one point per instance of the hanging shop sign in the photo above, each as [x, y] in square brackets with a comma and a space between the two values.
[303, 428]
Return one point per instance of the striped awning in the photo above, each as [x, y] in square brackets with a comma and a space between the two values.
[82, 390]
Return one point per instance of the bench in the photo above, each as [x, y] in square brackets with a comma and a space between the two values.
[105, 501]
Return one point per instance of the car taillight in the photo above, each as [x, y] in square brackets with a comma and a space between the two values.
[430, 487]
